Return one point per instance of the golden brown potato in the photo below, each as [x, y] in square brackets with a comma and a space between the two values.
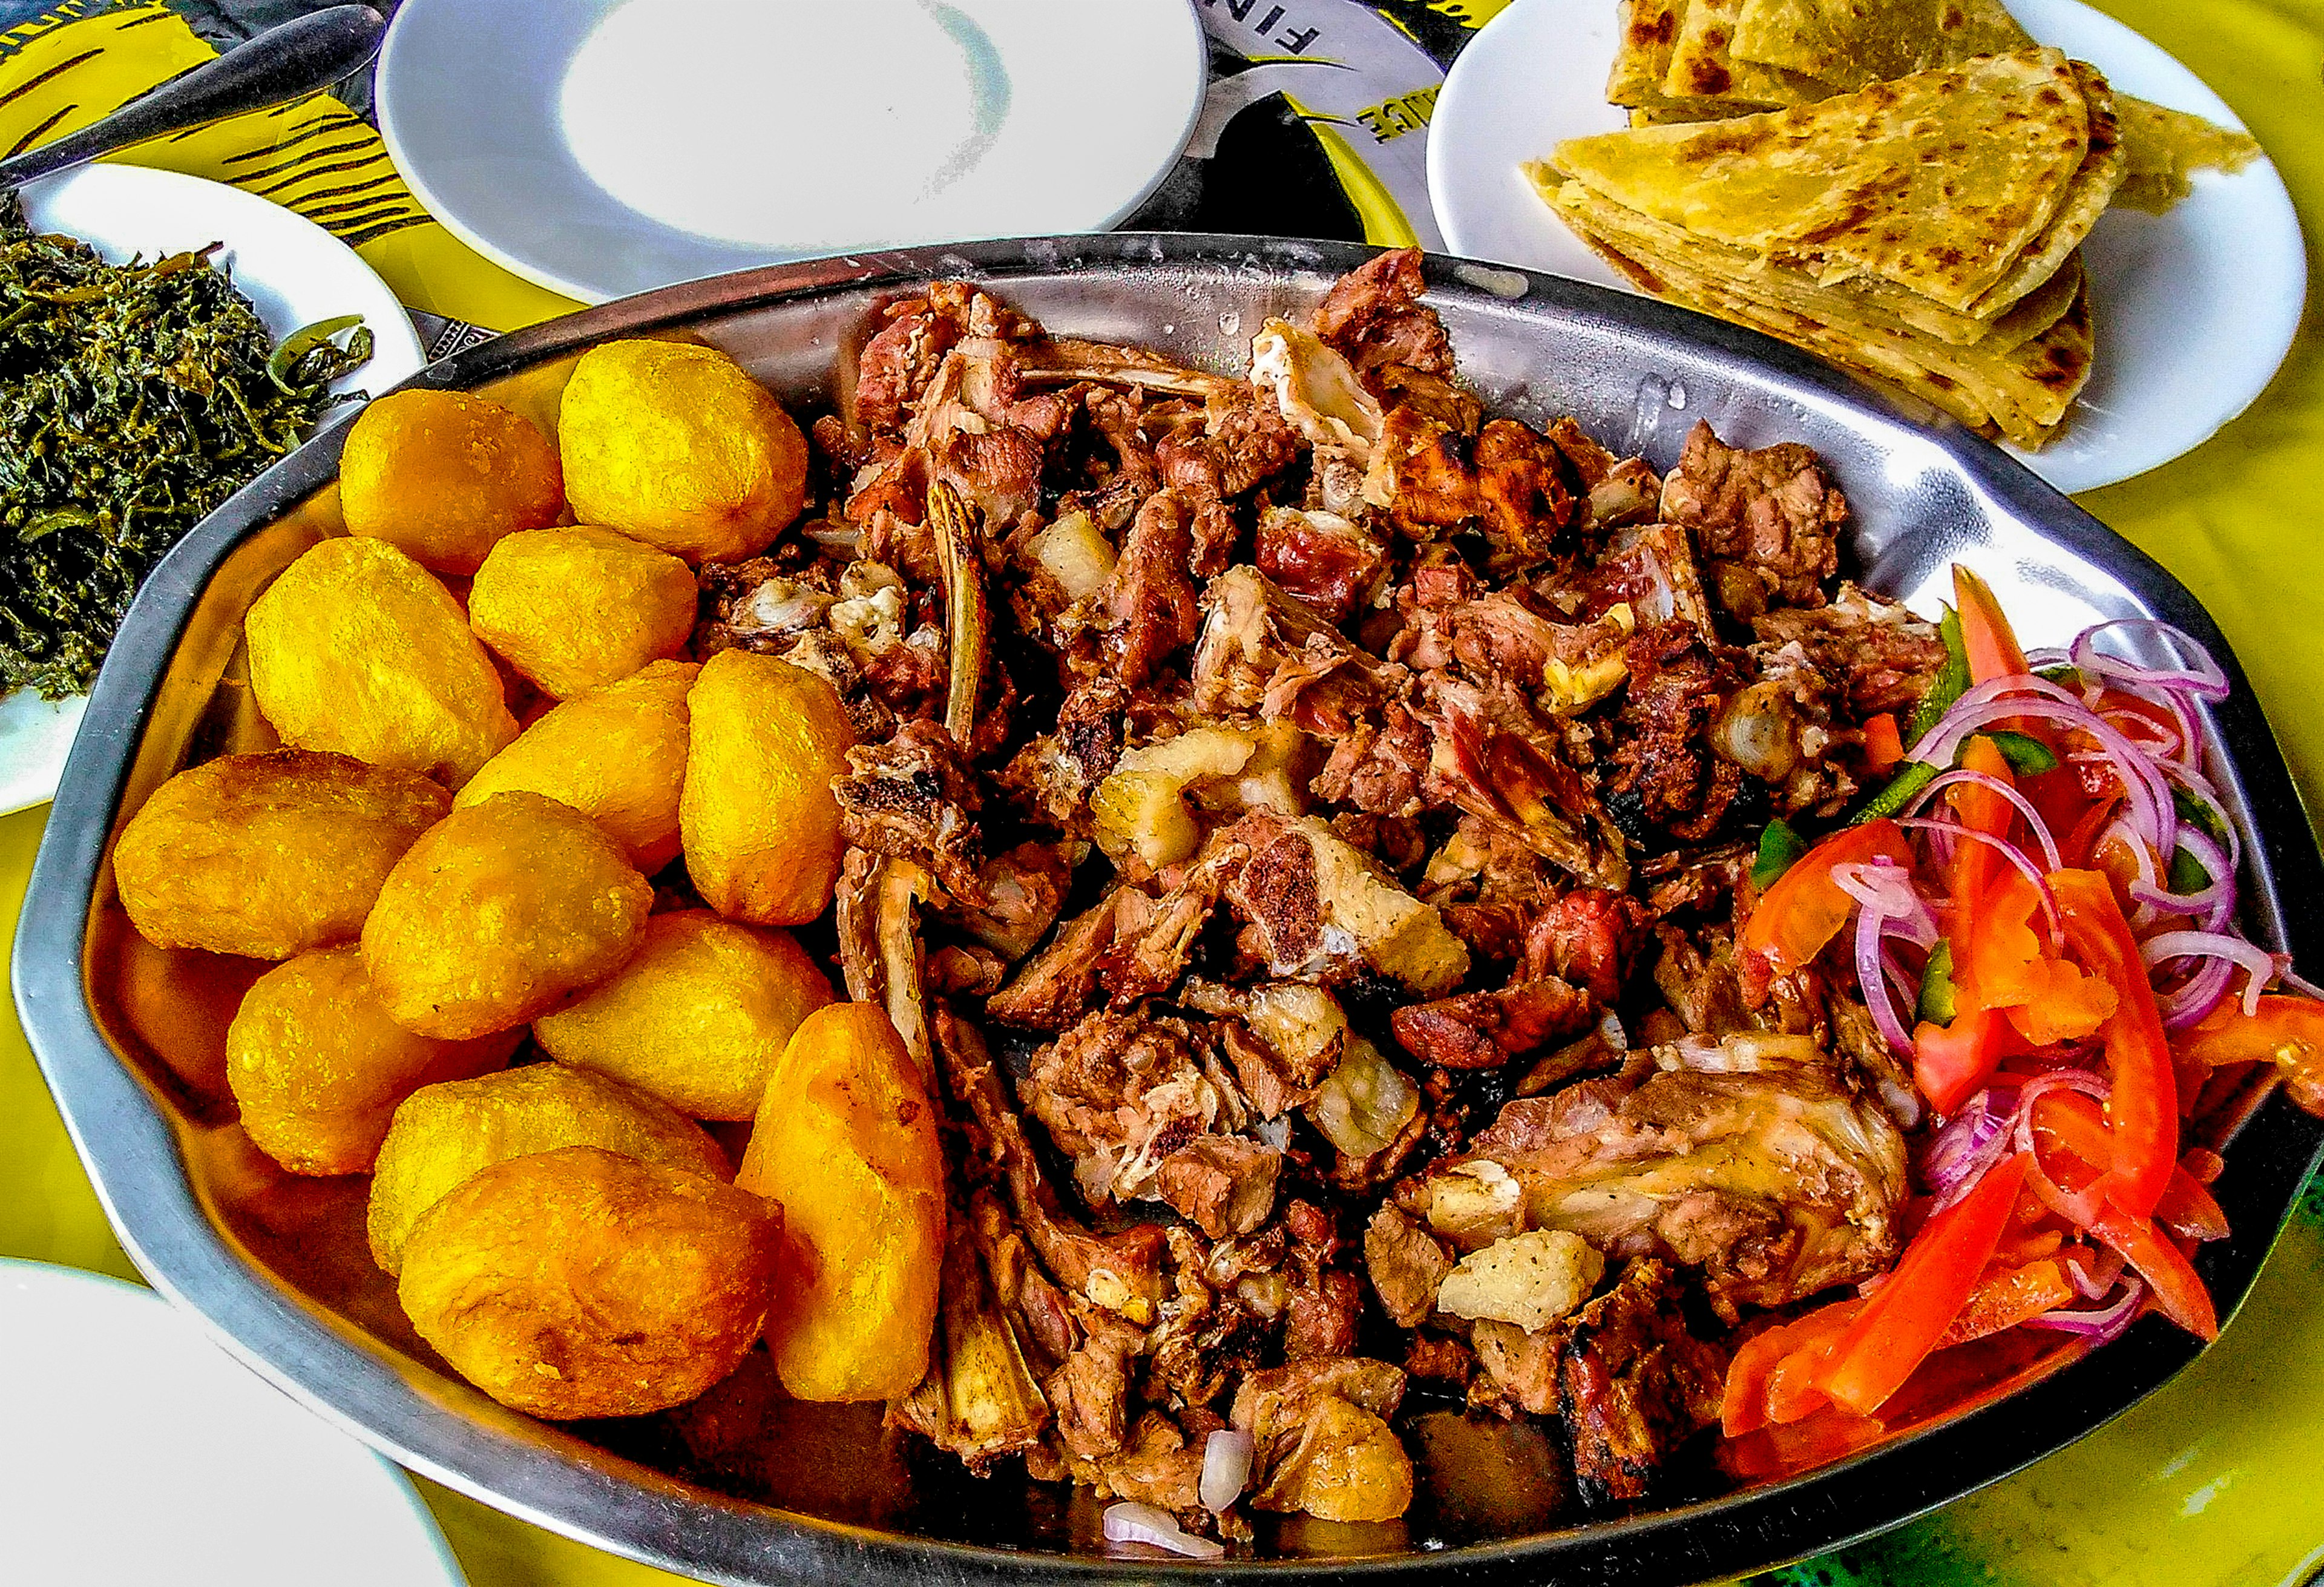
[573, 608]
[357, 647]
[617, 754]
[846, 1142]
[442, 475]
[444, 1133]
[318, 1068]
[497, 913]
[677, 445]
[269, 854]
[582, 1283]
[759, 823]
[699, 1018]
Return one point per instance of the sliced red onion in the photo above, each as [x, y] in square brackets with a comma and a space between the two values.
[1226, 1469]
[2191, 1002]
[1985, 780]
[2199, 786]
[2010, 851]
[2004, 699]
[2204, 678]
[2100, 1325]
[2081, 1208]
[1976, 1137]
[2213, 905]
[2259, 965]
[1887, 906]
[2094, 1274]
[1144, 1523]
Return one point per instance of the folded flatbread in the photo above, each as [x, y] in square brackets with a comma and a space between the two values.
[1944, 184]
[2161, 148]
[1849, 43]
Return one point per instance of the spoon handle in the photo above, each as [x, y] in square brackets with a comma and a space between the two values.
[282, 64]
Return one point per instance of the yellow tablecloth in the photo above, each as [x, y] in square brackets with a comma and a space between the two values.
[2208, 1485]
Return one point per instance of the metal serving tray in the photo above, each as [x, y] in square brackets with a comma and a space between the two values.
[276, 1266]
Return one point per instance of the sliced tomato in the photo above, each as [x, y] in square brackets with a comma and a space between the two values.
[2000, 961]
[2178, 1288]
[1805, 907]
[1932, 1281]
[2075, 1144]
[1950, 1062]
[1980, 809]
[1743, 1402]
[2008, 1296]
[1883, 746]
[2143, 1109]
[1986, 634]
[2287, 1031]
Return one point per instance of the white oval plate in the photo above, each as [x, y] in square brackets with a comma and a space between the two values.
[606, 147]
[2194, 309]
[133, 1450]
[294, 273]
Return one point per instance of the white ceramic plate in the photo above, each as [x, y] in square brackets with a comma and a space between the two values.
[294, 273]
[605, 147]
[2194, 309]
[133, 1450]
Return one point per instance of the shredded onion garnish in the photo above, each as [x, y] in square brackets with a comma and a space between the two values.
[1158, 1529]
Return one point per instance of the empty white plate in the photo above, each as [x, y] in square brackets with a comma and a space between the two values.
[294, 273]
[605, 147]
[2194, 310]
[133, 1450]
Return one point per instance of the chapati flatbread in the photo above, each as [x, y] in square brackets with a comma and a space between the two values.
[1852, 42]
[2164, 148]
[1937, 183]
[1701, 65]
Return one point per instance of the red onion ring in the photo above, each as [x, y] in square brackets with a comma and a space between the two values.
[1996, 700]
[2094, 1273]
[2010, 851]
[2100, 1325]
[1884, 894]
[1985, 780]
[1976, 1139]
[2081, 1208]
[2259, 965]
[2205, 679]
[2213, 905]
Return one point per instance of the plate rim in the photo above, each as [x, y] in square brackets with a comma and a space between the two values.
[65, 1277]
[443, 1428]
[2276, 194]
[1195, 49]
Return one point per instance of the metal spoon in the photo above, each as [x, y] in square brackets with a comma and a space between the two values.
[279, 65]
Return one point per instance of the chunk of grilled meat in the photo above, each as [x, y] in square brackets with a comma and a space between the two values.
[1667, 769]
[1373, 317]
[1634, 1384]
[913, 798]
[1883, 657]
[1322, 1442]
[1756, 1160]
[1767, 521]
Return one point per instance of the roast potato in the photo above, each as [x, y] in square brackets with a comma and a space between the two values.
[616, 753]
[357, 647]
[582, 1283]
[269, 854]
[759, 823]
[443, 1133]
[699, 1016]
[441, 475]
[573, 608]
[498, 912]
[677, 445]
[846, 1141]
[318, 1068]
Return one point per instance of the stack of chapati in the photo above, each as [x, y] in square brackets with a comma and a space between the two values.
[1901, 186]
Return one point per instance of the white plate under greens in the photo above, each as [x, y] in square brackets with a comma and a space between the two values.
[2193, 311]
[294, 273]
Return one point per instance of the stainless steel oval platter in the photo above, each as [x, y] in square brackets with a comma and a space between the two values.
[277, 1266]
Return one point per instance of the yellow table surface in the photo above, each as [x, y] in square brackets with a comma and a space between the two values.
[2208, 1484]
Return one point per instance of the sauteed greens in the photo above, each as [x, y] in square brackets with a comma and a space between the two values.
[134, 399]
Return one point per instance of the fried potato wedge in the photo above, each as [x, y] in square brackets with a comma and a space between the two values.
[759, 822]
[442, 475]
[582, 1283]
[318, 1068]
[499, 912]
[269, 854]
[677, 445]
[573, 608]
[699, 1016]
[616, 753]
[443, 1133]
[846, 1141]
[356, 648]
